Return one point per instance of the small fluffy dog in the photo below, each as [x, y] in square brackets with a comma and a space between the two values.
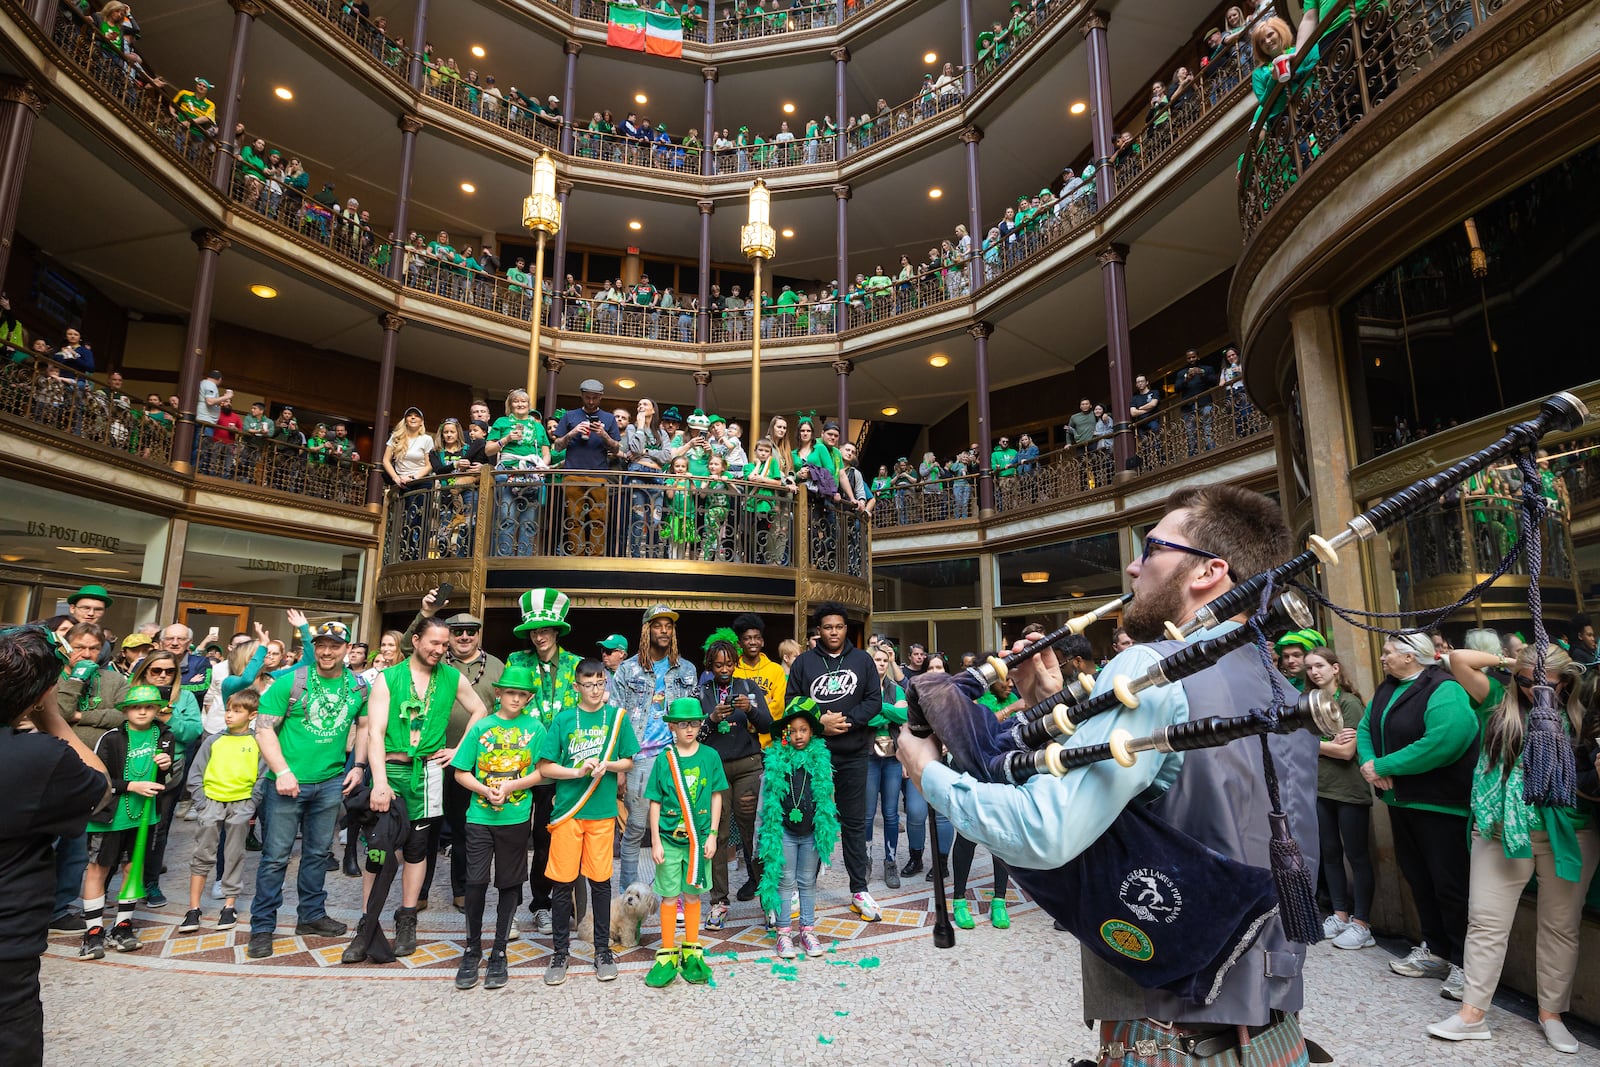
[628, 911]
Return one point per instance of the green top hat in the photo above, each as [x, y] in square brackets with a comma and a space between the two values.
[519, 678]
[140, 695]
[684, 709]
[543, 608]
[93, 592]
[801, 708]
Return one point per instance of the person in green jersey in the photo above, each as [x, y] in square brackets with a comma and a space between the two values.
[587, 751]
[138, 756]
[407, 716]
[495, 762]
[306, 727]
[685, 794]
[521, 448]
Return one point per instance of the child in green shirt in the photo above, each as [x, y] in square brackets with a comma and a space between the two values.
[685, 794]
[495, 762]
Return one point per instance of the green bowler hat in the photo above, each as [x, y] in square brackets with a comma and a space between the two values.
[92, 592]
[684, 709]
[520, 678]
[542, 608]
[140, 695]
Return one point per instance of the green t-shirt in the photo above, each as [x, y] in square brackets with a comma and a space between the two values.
[140, 766]
[314, 731]
[534, 439]
[1003, 461]
[497, 749]
[577, 735]
[1339, 779]
[703, 778]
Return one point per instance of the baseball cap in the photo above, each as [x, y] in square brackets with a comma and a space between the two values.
[660, 611]
[333, 631]
[614, 643]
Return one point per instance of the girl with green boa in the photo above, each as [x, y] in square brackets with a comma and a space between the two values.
[799, 825]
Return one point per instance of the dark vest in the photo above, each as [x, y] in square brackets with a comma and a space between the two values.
[1404, 724]
[1220, 799]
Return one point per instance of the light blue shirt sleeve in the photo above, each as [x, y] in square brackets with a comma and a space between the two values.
[1045, 822]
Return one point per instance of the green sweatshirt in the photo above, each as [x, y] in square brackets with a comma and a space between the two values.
[1450, 728]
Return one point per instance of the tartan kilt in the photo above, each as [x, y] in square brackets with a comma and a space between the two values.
[1279, 1046]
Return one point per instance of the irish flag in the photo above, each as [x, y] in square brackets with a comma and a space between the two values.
[644, 31]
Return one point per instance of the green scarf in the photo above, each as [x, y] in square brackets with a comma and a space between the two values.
[782, 759]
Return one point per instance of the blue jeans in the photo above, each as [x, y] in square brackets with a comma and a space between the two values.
[516, 517]
[72, 856]
[961, 494]
[638, 822]
[917, 823]
[644, 512]
[313, 815]
[800, 862]
[1205, 426]
[884, 779]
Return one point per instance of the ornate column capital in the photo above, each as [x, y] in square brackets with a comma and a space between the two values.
[1112, 253]
[409, 124]
[553, 364]
[708, 73]
[841, 192]
[210, 241]
[254, 8]
[563, 187]
[980, 331]
[702, 378]
[573, 47]
[1097, 20]
[21, 91]
[843, 367]
[971, 135]
[707, 207]
[391, 322]
[840, 54]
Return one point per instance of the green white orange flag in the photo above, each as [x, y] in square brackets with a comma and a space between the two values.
[644, 31]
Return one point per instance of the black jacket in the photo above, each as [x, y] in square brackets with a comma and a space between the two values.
[848, 686]
[112, 748]
[739, 740]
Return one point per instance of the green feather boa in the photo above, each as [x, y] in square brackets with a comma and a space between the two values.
[782, 759]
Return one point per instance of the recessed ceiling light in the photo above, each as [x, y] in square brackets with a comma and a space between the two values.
[891, 412]
[1035, 577]
[626, 383]
[265, 292]
[788, 109]
[107, 570]
[13, 559]
[635, 224]
[477, 51]
[930, 57]
[788, 233]
[80, 551]
[283, 92]
[468, 187]
[939, 361]
[640, 98]
[1078, 107]
[935, 193]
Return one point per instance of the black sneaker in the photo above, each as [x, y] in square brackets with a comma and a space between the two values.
[70, 923]
[353, 954]
[748, 890]
[154, 897]
[123, 939]
[228, 919]
[260, 946]
[191, 921]
[498, 973]
[94, 944]
[405, 932]
[467, 972]
[326, 926]
[252, 843]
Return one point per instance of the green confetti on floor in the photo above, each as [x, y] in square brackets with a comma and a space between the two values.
[833, 946]
[870, 962]
[824, 1040]
[840, 963]
[841, 985]
[842, 1014]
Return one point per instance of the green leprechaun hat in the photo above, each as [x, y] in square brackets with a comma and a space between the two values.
[141, 695]
[684, 709]
[542, 608]
[520, 678]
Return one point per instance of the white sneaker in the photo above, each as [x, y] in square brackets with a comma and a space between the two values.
[1456, 1029]
[1421, 963]
[1355, 936]
[863, 905]
[1333, 926]
[1454, 984]
[513, 934]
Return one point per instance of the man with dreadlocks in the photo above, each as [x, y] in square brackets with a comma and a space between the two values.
[736, 713]
[645, 685]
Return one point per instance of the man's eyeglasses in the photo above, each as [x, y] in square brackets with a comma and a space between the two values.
[598, 683]
[462, 631]
[1153, 543]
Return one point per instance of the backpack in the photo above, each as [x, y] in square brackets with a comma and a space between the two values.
[302, 675]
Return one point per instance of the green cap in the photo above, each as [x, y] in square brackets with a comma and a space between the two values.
[684, 709]
[141, 695]
[543, 608]
[92, 592]
[520, 678]
[614, 643]
[1303, 639]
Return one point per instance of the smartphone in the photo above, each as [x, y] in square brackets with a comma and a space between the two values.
[446, 591]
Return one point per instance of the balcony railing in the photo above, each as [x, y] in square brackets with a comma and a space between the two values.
[42, 393]
[773, 155]
[1367, 52]
[503, 111]
[992, 59]
[286, 467]
[907, 296]
[390, 53]
[532, 513]
[1468, 536]
[611, 318]
[343, 232]
[752, 22]
[624, 151]
[1054, 221]
[494, 293]
[1217, 86]
[894, 123]
[133, 88]
[1183, 429]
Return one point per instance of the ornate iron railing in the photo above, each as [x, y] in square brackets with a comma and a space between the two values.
[1181, 430]
[500, 109]
[774, 155]
[871, 304]
[370, 36]
[342, 230]
[270, 463]
[1469, 534]
[888, 124]
[43, 393]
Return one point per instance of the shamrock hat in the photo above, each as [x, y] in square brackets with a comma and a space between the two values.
[1302, 639]
[698, 420]
[543, 608]
[92, 592]
[684, 709]
[801, 708]
[140, 696]
[519, 678]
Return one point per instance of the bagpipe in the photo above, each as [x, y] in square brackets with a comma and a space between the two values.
[978, 744]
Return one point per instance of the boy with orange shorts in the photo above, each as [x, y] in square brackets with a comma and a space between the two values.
[586, 752]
